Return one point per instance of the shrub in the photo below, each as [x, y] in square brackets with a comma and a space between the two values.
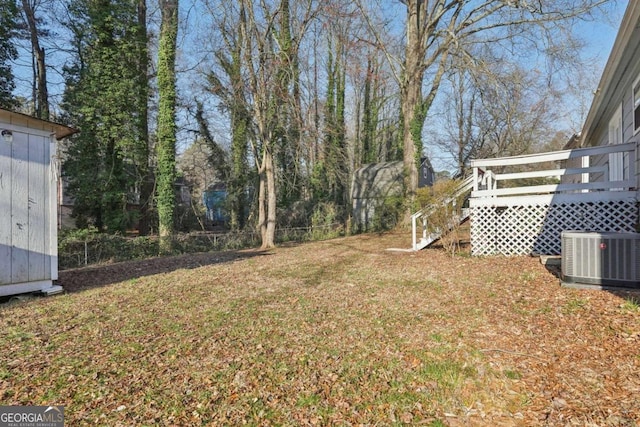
[445, 217]
[325, 221]
[388, 213]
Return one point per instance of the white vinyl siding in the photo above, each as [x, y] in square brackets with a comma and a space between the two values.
[616, 160]
[27, 200]
[635, 97]
[634, 121]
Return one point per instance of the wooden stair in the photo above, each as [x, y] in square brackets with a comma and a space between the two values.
[423, 215]
[431, 238]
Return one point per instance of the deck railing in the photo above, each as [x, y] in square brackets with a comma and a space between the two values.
[489, 184]
[513, 212]
[424, 214]
[517, 212]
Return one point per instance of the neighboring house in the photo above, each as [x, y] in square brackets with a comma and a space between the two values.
[375, 183]
[183, 193]
[214, 199]
[426, 174]
[28, 203]
[599, 172]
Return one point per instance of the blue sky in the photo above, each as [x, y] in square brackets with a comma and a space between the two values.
[599, 37]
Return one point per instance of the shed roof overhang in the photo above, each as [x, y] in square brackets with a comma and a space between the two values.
[19, 119]
[626, 50]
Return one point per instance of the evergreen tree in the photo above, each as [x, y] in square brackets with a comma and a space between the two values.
[8, 53]
[334, 165]
[105, 159]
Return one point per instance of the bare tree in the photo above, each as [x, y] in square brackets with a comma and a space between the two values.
[494, 108]
[438, 30]
[268, 63]
[40, 93]
[196, 167]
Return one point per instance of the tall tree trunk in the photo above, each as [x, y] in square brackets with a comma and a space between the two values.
[267, 200]
[262, 205]
[238, 181]
[166, 144]
[414, 105]
[41, 95]
[270, 236]
[261, 75]
[411, 94]
[146, 176]
[366, 134]
[315, 151]
[267, 197]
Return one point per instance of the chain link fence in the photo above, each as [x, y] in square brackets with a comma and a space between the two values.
[97, 248]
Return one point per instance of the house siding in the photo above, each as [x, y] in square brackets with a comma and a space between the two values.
[614, 89]
[623, 96]
[519, 222]
[638, 168]
[628, 128]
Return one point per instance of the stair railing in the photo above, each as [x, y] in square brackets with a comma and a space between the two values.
[465, 187]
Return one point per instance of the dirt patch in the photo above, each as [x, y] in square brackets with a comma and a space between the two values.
[74, 280]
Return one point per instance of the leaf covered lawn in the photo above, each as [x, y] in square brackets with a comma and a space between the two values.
[340, 332]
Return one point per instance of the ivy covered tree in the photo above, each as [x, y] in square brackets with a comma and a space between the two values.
[8, 53]
[107, 161]
[166, 138]
[330, 175]
[288, 107]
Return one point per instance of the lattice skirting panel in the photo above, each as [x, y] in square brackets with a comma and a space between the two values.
[535, 229]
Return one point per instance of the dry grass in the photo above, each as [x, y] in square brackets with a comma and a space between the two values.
[339, 332]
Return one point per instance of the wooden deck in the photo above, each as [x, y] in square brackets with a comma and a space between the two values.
[514, 213]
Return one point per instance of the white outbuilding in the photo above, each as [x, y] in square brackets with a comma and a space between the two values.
[28, 203]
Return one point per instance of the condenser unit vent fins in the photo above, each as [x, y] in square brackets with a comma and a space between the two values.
[601, 258]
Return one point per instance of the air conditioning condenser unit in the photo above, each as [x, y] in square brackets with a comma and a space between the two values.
[595, 258]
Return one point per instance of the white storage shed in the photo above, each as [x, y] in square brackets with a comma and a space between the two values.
[28, 203]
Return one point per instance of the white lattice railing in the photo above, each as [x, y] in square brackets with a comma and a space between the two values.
[524, 219]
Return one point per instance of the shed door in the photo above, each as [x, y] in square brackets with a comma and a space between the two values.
[24, 209]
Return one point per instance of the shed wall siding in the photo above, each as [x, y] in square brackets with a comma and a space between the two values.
[25, 222]
[19, 208]
[5, 212]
